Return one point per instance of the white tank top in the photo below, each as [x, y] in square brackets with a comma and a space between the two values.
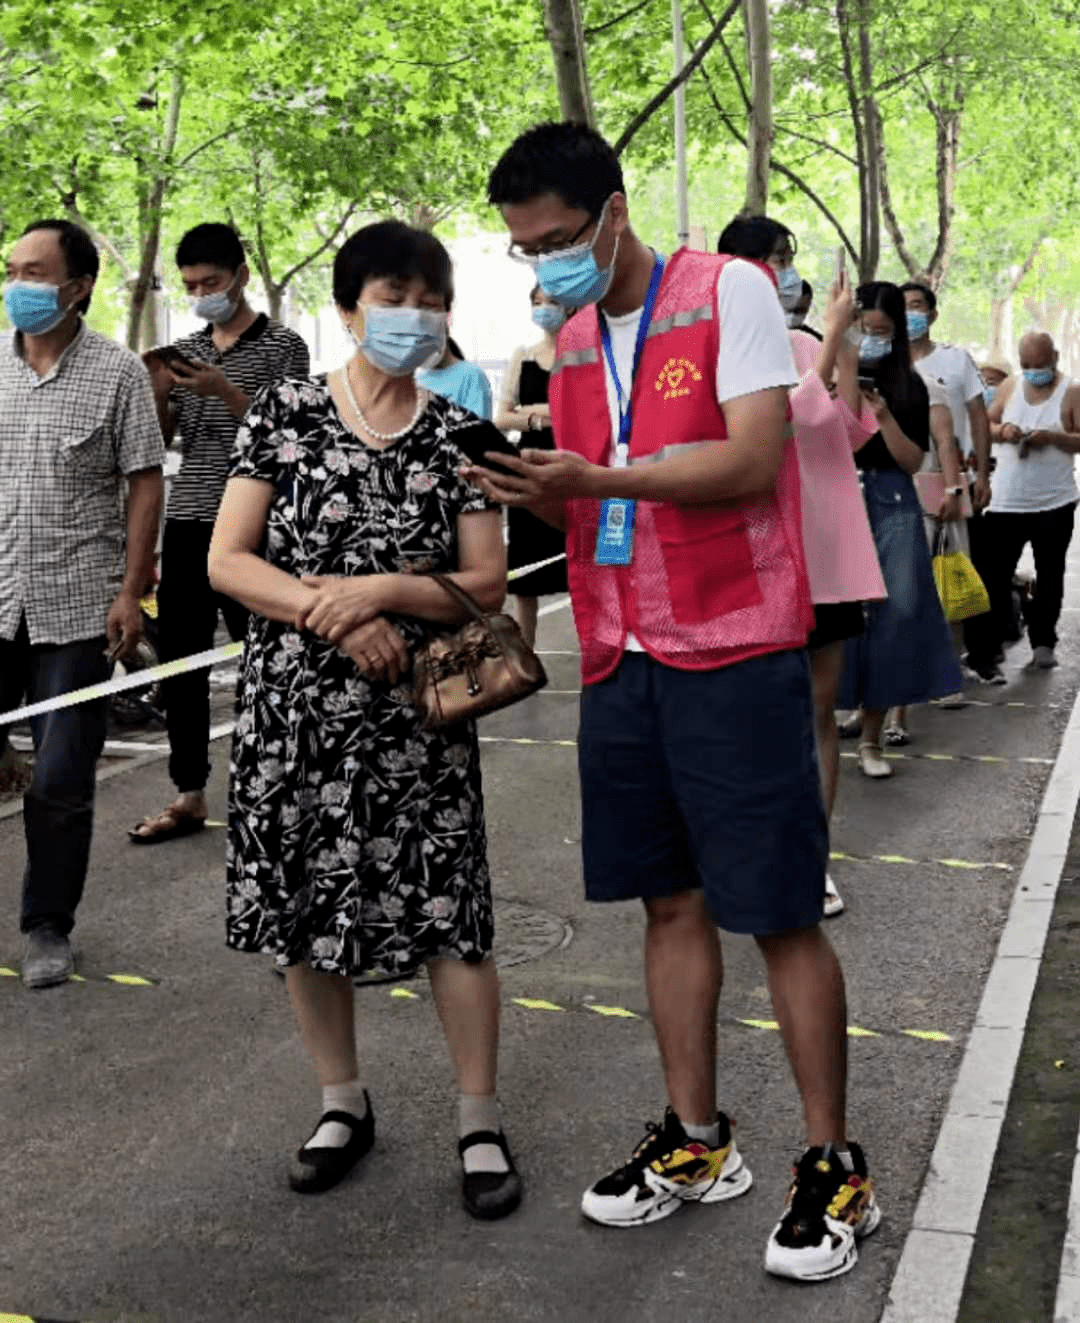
[1045, 480]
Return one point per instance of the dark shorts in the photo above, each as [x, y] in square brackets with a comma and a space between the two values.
[705, 779]
[834, 622]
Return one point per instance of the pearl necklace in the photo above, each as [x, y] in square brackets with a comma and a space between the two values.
[421, 404]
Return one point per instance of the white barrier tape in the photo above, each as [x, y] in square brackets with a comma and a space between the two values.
[539, 565]
[197, 661]
[134, 680]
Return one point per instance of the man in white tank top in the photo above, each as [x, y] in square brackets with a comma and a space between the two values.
[1035, 426]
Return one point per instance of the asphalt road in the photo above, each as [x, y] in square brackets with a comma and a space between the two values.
[146, 1128]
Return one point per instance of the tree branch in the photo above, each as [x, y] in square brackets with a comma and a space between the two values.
[71, 210]
[650, 109]
[225, 133]
[892, 223]
[1017, 280]
[818, 142]
[314, 257]
[784, 170]
[614, 22]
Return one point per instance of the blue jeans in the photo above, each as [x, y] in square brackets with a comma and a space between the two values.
[58, 809]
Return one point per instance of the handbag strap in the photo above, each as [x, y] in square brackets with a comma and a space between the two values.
[460, 596]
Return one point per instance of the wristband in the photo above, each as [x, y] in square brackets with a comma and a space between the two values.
[954, 491]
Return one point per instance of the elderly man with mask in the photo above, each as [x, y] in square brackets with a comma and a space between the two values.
[1035, 424]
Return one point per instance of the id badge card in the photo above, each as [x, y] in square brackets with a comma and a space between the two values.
[615, 536]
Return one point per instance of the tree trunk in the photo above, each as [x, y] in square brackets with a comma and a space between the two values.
[151, 201]
[1000, 326]
[871, 248]
[760, 123]
[562, 22]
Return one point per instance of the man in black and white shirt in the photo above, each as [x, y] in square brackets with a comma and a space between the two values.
[77, 421]
[202, 396]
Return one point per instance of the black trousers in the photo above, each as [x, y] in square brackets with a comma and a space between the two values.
[1003, 538]
[187, 620]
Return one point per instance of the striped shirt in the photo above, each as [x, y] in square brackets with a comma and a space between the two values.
[264, 354]
[67, 440]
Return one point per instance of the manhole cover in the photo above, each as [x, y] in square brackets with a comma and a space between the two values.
[524, 933]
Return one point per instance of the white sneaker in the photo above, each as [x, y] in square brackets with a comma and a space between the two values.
[828, 1211]
[872, 762]
[834, 904]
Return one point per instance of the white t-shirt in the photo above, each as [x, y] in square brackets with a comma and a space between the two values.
[755, 352]
[954, 369]
[1045, 478]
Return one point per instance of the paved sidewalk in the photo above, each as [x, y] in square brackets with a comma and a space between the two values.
[147, 1124]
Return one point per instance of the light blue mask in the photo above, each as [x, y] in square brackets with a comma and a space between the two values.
[1039, 376]
[873, 348]
[918, 325]
[33, 308]
[789, 288]
[548, 317]
[988, 395]
[399, 340]
[571, 276]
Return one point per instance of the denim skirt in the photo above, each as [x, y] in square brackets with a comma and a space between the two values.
[906, 654]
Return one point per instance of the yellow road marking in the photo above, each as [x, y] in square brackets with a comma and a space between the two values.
[760, 1024]
[130, 980]
[853, 1031]
[617, 1012]
[7, 973]
[405, 994]
[536, 1004]
[927, 1035]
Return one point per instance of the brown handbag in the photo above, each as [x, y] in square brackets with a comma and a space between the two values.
[482, 667]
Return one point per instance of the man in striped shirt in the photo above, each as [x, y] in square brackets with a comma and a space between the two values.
[202, 397]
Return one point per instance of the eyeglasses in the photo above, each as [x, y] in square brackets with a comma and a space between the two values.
[531, 257]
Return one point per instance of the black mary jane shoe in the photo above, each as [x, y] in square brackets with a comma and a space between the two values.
[313, 1170]
[490, 1195]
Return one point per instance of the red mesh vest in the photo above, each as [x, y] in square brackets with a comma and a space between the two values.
[709, 585]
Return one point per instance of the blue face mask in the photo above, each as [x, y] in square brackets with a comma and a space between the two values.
[918, 325]
[1039, 376]
[571, 276]
[988, 395]
[789, 288]
[399, 340]
[548, 317]
[33, 308]
[217, 307]
[873, 348]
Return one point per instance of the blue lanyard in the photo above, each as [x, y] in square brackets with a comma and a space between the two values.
[622, 450]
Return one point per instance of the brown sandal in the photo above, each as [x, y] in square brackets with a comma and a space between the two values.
[176, 824]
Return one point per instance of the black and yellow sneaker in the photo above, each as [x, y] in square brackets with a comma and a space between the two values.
[828, 1209]
[667, 1170]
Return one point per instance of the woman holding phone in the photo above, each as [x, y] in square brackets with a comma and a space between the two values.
[831, 420]
[905, 655]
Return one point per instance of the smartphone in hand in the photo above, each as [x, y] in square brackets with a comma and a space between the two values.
[172, 357]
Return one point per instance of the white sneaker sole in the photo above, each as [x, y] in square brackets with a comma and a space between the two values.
[778, 1265]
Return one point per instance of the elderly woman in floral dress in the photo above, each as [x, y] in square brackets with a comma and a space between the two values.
[356, 837]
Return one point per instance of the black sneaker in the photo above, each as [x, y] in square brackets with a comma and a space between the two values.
[828, 1209]
[668, 1169]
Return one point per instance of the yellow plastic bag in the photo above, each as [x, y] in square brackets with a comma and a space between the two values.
[963, 594]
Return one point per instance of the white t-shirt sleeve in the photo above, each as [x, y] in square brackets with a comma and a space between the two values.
[755, 352]
[973, 385]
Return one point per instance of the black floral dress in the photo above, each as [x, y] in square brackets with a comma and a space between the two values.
[356, 838]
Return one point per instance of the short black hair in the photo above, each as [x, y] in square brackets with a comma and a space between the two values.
[570, 160]
[213, 244]
[80, 252]
[917, 287]
[391, 249]
[753, 237]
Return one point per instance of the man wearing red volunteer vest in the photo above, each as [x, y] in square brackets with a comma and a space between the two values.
[676, 481]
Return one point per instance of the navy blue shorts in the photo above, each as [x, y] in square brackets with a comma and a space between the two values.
[705, 779]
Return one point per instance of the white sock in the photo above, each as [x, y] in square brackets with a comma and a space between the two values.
[705, 1134]
[480, 1111]
[339, 1098]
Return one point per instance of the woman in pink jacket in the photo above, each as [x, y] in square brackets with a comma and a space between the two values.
[831, 420]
